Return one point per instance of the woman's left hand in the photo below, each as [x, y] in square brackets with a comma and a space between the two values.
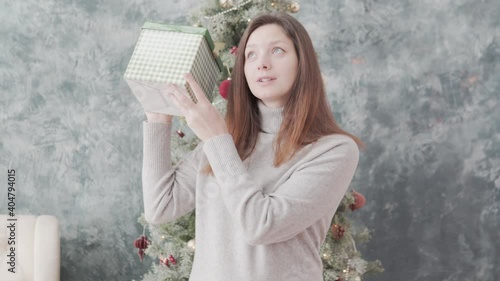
[202, 117]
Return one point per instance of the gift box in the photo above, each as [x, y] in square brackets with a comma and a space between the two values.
[162, 55]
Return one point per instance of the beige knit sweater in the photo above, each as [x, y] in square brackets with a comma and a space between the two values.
[254, 222]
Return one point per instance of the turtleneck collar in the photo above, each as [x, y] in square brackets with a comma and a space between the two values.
[271, 118]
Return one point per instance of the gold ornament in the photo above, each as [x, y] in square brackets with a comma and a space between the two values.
[191, 244]
[226, 3]
[295, 7]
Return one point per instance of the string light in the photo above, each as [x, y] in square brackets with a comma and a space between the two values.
[228, 10]
[346, 271]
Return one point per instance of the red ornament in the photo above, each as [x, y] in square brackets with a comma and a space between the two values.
[172, 259]
[166, 262]
[141, 254]
[338, 231]
[224, 88]
[359, 201]
[234, 50]
[141, 243]
[180, 133]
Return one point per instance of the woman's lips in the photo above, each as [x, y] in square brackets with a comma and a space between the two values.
[265, 80]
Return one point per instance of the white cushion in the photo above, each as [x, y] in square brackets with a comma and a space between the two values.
[37, 255]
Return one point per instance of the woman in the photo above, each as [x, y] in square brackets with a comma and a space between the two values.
[267, 179]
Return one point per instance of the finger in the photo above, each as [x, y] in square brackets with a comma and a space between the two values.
[181, 97]
[173, 98]
[197, 90]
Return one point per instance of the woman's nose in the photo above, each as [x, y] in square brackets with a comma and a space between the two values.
[264, 66]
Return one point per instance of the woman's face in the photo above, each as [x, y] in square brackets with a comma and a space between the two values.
[271, 64]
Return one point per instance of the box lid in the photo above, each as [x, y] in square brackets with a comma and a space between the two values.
[186, 29]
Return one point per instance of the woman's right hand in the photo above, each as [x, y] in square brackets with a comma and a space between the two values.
[154, 117]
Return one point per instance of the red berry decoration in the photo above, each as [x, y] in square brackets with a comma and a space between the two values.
[165, 262]
[359, 201]
[224, 88]
[234, 50]
[180, 133]
[338, 231]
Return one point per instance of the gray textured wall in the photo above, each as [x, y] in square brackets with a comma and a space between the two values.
[418, 81]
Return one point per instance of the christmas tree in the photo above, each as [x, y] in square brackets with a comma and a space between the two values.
[173, 244]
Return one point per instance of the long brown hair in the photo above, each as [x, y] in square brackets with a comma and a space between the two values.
[306, 111]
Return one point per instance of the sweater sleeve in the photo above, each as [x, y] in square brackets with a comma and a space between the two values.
[313, 190]
[169, 192]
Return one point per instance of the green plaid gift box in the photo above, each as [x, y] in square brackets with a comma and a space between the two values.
[162, 55]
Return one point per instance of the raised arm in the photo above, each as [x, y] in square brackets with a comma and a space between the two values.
[169, 191]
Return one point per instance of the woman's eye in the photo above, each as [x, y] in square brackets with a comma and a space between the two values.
[278, 51]
[250, 55]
